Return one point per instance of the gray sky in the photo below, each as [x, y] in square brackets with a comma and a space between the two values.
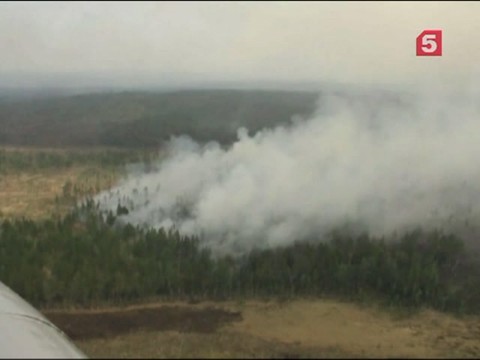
[359, 42]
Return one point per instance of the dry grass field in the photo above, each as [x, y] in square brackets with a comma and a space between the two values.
[39, 193]
[33, 194]
[266, 329]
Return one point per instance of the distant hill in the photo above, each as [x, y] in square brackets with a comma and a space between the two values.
[145, 119]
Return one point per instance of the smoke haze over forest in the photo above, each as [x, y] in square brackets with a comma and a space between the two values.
[378, 162]
[383, 160]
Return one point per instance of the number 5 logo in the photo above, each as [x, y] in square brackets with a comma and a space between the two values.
[429, 43]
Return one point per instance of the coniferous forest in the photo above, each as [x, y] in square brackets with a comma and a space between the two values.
[87, 257]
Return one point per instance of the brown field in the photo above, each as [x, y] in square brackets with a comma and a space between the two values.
[38, 194]
[253, 329]
[33, 194]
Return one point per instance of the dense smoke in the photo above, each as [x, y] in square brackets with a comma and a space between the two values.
[376, 162]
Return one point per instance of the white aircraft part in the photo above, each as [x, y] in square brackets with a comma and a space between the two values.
[26, 333]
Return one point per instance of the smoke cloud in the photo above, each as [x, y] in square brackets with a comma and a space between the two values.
[374, 161]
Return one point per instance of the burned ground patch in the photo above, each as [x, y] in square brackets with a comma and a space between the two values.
[90, 325]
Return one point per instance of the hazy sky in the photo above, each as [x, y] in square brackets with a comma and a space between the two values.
[364, 42]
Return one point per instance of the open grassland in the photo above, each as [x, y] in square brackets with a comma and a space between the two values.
[40, 194]
[268, 329]
[41, 183]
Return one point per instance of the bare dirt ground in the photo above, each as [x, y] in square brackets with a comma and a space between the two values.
[92, 325]
[299, 328]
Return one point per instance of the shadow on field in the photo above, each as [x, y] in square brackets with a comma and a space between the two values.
[82, 326]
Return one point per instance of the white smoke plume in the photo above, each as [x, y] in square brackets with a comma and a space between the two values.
[381, 162]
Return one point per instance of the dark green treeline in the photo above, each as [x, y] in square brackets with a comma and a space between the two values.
[86, 258]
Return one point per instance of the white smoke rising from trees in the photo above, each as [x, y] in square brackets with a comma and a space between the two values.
[384, 164]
